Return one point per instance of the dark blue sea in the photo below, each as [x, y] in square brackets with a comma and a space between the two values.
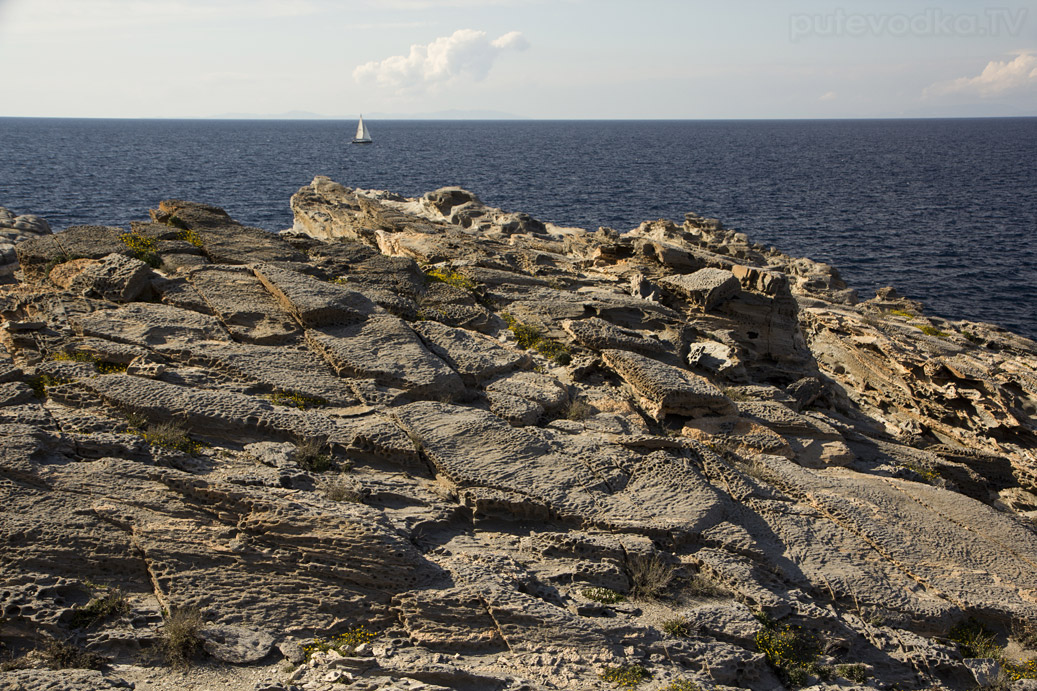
[944, 210]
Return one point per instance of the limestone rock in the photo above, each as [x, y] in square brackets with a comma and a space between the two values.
[473, 356]
[116, 277]
[385, 349]
[242, 304]
[667, 390]
[280, 455]
[705, 287]
[236, 644]
[150, 324]
[312, 302]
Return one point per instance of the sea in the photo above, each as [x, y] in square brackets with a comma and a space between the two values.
[943, 210]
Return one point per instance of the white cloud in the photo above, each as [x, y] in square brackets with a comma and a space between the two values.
[829, 96]
[997, 78]
[464, 54]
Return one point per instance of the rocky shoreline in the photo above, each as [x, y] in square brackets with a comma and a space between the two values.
[426, 444]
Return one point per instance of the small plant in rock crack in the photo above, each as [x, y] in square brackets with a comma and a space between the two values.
[339, 488]
[974, 640]
[41, 382]
[529, 337]
[650, 575]
[172, 435]
[67, 655]
[626, 676]
[181, 641]
[310, 454]
[142, 247]
[294, 399]
[579, 410]
[605, 596]
[453, 278]
[853, 672]
[111, 604]
[790, 650]
[344, 643]
[678, 628]
[682, 685]
[700, 585]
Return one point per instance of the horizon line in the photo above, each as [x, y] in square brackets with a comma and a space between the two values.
[522, 118]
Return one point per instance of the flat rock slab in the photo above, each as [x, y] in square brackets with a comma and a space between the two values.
[518, 411]
[477, 449]
[957, 549]
[38, 255]
[236, 644]
[535, 387]
[385, 349]
[473, 356]
[214, 412]
[706, 287]
[60, 680]
[150, 324]
[286, 368]
[311, 301]
[235, 244]
[667, 390]
[598, 334]
[243, 304]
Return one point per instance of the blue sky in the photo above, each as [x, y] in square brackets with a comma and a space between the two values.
[529, 58]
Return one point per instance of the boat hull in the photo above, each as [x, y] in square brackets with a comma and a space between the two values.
[363, 141]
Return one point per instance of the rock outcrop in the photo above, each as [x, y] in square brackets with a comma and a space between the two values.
[429, 444]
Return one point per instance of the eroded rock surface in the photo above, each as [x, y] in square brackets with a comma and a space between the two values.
[429, 444]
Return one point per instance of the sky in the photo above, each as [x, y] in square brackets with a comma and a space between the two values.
[548, 59]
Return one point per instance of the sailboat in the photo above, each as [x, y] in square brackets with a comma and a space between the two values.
[362, 135]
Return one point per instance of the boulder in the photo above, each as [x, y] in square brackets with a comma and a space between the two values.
[706, 288]
[667, 390]
[116, 277]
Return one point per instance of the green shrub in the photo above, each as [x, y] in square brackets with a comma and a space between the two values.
[294, 399]
[172, 435]
[650, 575]
[928, 475]
[790, 650]
[678, 628]
[310, 456]
[931, 330]
[1021, 670]
[111, 604]
[181, 641]
[453, 278]
[529, 338]
[142, 247]
[338, 488]
[66, 655]
[188, 235]
[974, 640]
[344, 643]
[626, 676]
[602, 595]
[682, 685]
[41, 382]
[853, 672]
[579, 410]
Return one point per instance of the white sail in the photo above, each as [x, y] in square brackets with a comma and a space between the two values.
[362, 135]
